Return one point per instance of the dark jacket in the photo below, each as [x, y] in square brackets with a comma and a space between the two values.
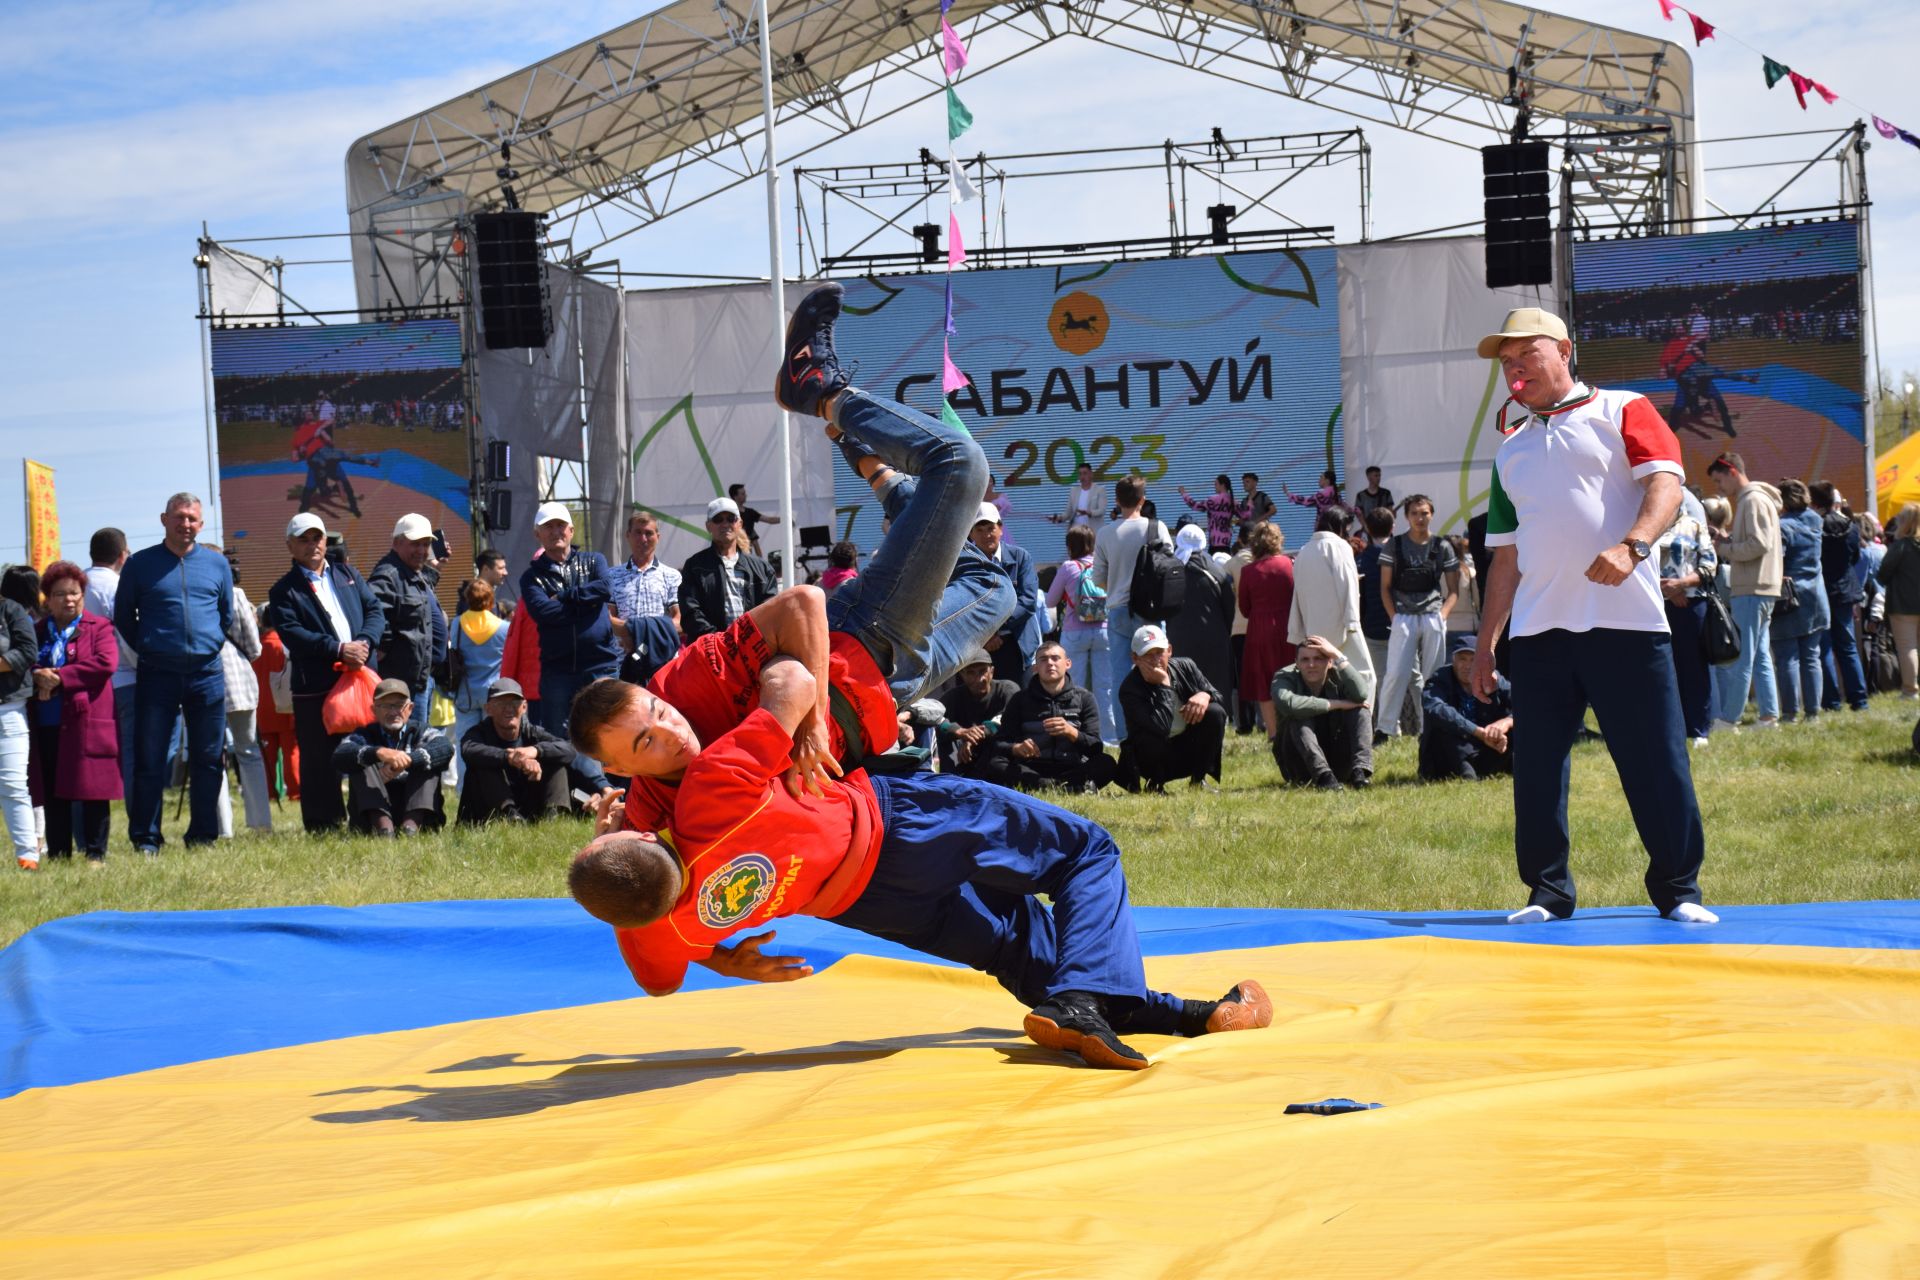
[1839, 552]
[1374, 622]
[1152, 709]
[483, 746]
[1203, 629]
[429, 748]
[703, 597]
[1022, 629]
[18, 648]
[175, 611]
[964, 711]
[406, 598]
[1454, 711]
[294, 610]
[569, 607]
[1027, 710]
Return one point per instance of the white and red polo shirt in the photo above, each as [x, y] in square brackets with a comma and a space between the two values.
[1566, 486]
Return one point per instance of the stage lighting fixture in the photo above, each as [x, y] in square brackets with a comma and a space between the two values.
[928, 234]
[1218, 216]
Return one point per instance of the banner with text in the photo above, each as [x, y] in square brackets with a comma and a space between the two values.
[1179, 369]
[43, 516]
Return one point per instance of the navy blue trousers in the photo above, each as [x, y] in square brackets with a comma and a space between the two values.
[956, 878]
[1628, 678]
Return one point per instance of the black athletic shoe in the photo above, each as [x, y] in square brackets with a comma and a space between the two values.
[809, 371]
[1073, 1022]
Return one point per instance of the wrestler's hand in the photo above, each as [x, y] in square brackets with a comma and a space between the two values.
[609, 812]
[745, 961]
[814, 767]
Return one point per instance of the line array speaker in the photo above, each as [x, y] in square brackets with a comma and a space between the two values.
[512, 279]
[1518, 214]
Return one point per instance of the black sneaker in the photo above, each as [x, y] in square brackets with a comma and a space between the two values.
[809, 371]
[1073, 1022]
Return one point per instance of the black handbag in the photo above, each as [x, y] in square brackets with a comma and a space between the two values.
[1719, 638]
[1789, 600]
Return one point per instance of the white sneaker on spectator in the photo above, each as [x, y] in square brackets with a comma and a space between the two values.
[1700, 741]
[1530, 915]
[1723, 726]
[1767, 722]
[1692, 913]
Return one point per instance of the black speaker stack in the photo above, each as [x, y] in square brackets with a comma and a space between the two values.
[1518, 213]
[512, 280]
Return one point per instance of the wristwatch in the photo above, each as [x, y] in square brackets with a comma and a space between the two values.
[1636, 548]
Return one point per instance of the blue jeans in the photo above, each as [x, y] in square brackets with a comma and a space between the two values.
[1628, 679]
[1089, 649]
[1121, 624]
[555, 709]
[200, 698]
[1840, 655]
[123, 721]
[1752, 617]
[956, 876]
[1796, 665]
[928, 597]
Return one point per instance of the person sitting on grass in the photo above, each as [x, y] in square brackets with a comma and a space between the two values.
[975, 703]
[1176, 722]
[1050, 732]
[1326, 734]
[1464, 737]
[514, 770]
[392, 767]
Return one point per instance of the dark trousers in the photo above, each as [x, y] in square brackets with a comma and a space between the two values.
[1690, 670]
[200, 697]
[555, 709]
[1628, 678]
[1338, 745]
[956, 876]
[1146, 760]
[1245, 714]
[1838, 649]
[95, 815]
[320, 806]
[499, 791]
[123, 709]
[1445, 754]
[414, 794]
[1040, 774]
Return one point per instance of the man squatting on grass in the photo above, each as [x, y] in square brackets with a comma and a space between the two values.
[713, 843]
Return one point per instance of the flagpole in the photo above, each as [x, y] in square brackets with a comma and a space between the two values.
[790, 565]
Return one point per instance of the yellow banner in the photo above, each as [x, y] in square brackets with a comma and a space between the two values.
[43, 516]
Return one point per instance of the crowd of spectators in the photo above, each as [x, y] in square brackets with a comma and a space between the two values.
[155, 667]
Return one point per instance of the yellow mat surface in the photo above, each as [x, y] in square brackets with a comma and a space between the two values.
[1549, 1111]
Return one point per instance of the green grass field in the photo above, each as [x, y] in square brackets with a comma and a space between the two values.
[1808, 813]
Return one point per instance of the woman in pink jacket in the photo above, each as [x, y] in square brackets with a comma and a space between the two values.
[75, 751]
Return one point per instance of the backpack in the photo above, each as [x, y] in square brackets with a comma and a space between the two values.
[1159, 579]
[1089, 598]
[1411, 577]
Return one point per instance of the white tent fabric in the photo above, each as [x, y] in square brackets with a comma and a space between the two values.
[701, 417]
[239, 283]
[1418, 402]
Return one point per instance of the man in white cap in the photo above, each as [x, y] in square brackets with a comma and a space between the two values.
[1018, 638]
[325, 614]
[567, 591]
[403, 581]
[1582, 485]
[722, 581]
[1176, 720]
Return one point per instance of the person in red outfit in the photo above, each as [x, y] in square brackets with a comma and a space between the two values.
[272, 726]
[1265, 599]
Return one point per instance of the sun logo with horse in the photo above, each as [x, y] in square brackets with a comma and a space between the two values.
[1078, 323]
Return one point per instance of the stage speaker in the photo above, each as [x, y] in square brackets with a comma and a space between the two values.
[511, 279]
[1518, 214]
[928, 234]
[500, 510]
[499, 461]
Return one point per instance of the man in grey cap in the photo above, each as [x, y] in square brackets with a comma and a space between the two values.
[974, 703]
[1462, 735]
[515, 770]
[393, 767]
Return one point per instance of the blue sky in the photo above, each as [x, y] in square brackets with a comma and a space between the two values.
[128, 124]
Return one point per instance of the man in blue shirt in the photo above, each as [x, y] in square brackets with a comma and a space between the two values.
[567, 592]
[1464, 737]
[1015, 643]
[174, 606]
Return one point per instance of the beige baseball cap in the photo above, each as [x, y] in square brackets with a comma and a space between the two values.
[1524, 322]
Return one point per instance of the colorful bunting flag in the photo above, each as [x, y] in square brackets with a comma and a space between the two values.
[954, 55]
[951, 379]
[1826, 93]
[1886, 130]
[1800, 86]
[1776, 71]
[1908, 138]
[1702, 29]
[1666, 9]
[959, 190]
[952, 419]
[956, 248]
[959, 119]
[953, 59]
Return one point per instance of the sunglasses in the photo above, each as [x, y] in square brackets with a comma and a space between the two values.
[724, 519]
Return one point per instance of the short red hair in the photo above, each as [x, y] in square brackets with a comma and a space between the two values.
[58, 572]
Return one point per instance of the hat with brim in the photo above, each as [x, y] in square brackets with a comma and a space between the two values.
[1149, 638]
[391, 689]
[505, 688]
[989, 514]
[1466, 644]
[978, 658]
[1523, 322]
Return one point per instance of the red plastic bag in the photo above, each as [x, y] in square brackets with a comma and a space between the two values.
[349, 703]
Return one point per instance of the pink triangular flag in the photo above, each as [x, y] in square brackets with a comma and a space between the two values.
[956, 249]
[1702, 29]
[951, 379]
[1886, 130]
[1666, 9]
[1826, 93]
[1800, 86]
[955, 53]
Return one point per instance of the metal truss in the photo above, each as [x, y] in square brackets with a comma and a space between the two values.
[665, 113]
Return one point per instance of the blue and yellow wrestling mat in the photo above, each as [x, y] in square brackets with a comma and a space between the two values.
[465, 1089]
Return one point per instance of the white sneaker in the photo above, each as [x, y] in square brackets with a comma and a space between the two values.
[1692, 913]
[1530, 915]
[1723, 726]
[1770, 722]
[1699, 742]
